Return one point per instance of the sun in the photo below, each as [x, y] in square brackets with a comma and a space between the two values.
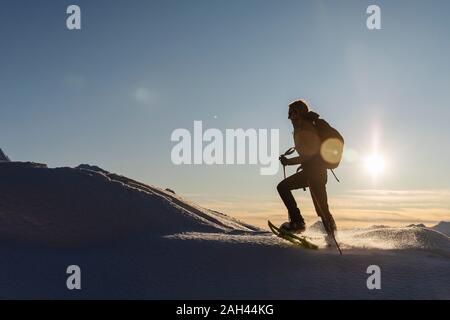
[374, 164]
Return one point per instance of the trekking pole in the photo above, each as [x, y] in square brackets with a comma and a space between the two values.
[321, 212]
[334, 174]
[288, 152]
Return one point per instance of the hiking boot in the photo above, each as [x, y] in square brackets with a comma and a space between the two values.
[293, 227]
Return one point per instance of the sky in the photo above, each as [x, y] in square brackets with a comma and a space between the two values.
[112, 93]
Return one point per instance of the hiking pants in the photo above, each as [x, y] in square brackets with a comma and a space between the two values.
[313, 178]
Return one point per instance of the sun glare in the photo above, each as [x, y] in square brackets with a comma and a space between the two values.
[374, 164]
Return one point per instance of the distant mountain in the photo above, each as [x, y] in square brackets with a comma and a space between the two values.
[317, 227]
[420, 225]
[443, 227]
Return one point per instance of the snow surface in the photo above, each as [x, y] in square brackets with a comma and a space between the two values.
[134, 240]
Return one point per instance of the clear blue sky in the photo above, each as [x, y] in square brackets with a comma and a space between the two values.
[112, 93]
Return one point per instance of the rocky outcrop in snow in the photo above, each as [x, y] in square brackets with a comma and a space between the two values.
[3, 157]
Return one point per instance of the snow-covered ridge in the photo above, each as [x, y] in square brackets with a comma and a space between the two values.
[86, 204]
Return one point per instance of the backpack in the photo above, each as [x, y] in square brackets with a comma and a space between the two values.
[332, 142]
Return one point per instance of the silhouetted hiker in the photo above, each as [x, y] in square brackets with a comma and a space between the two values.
[320, 148]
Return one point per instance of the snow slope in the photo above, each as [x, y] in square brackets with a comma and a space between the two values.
[389, 238]
[70, 206]
[138, 241]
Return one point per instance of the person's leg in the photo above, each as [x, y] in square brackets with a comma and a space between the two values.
[296, 181]
[318, 191]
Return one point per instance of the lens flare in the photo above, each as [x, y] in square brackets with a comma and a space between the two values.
[331, 150]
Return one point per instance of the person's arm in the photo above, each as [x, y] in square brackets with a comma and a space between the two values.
[297, 160]
[294, 161]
